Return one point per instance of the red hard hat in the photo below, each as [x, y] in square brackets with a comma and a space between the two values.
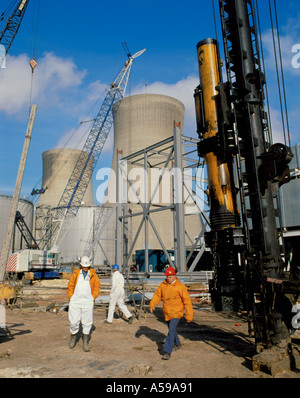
[170, 271]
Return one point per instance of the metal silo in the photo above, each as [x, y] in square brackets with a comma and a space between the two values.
[289, 195]
[26, 208]
[84, 237]
[290, 214]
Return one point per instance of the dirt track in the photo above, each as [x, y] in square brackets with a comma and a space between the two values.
[214, 346]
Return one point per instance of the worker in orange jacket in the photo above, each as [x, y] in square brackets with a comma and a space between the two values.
[83, 289]
[175, 299]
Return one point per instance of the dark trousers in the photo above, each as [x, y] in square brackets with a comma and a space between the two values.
[172, 337]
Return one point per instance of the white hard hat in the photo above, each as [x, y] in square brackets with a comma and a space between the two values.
[85, 261]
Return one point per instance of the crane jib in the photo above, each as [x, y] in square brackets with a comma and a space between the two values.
[74, 192]
[90, 152]
[8, 34]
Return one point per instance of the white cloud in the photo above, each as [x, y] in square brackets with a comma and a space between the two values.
[289, 43]
[90, 102]
[288, 38]
[276, 125]
[58, 84]
[52, 79]
[15, 84]
[76, 138]
[286, 46]
[182, 90]
[96, 92]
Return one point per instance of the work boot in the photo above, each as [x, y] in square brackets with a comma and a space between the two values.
[166, 356]
[177, 347]
[85, 338]
[72, 341]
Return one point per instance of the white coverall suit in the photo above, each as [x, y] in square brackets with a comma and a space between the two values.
[117, 296]
[81, 305]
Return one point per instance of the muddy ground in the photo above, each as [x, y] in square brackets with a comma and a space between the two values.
[215, 345]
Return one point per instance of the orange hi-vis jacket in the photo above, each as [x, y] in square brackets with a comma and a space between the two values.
[175, 299]
[94, 282]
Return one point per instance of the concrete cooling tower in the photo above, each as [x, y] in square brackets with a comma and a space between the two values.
[141, 121]
[58, 165]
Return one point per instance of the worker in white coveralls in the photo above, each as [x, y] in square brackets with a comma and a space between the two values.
[117, 296]
[83, 289]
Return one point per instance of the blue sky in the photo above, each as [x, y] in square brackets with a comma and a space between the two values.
[77, 46]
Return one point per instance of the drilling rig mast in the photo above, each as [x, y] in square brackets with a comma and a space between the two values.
[245, 170]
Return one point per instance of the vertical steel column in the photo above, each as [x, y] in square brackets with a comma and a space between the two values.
[119, 219]
[145, 210]
[180, 255]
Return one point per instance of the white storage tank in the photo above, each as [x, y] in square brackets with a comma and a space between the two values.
[84, 237]
[26, 208]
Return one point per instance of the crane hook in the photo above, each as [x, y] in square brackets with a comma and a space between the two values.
[33, 64]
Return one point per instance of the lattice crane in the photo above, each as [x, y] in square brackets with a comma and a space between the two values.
[75, 189]
[12, 25]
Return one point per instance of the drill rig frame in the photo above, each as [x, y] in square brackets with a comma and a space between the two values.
[245, 171]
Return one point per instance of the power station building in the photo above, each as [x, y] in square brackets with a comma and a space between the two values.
[141, 121]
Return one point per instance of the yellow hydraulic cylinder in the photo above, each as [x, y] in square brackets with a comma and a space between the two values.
[222, 200]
